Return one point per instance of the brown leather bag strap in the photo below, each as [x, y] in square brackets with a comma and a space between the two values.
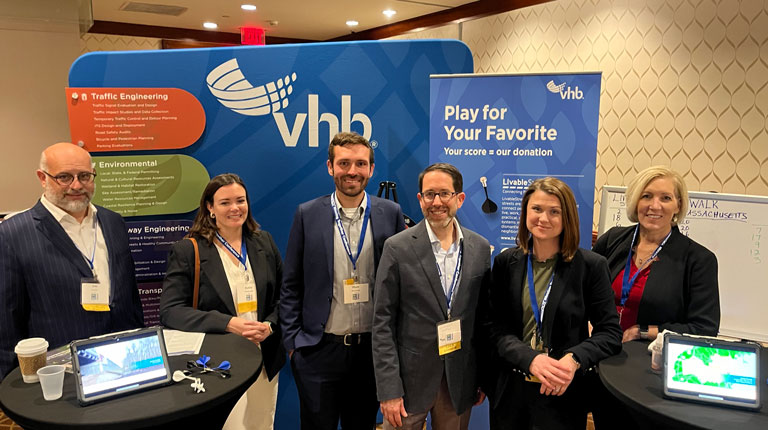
[196, 292]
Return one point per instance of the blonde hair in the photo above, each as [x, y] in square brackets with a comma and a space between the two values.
[637, 185]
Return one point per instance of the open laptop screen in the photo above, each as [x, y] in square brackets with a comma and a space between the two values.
[712, 371]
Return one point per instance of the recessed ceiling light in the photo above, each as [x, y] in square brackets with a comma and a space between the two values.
[210, 25]
[389, 13]
[352, 23]
[249, 7]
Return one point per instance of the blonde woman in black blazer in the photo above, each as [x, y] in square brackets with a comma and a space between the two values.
[671, 282]
[222, 228]
[539, 370]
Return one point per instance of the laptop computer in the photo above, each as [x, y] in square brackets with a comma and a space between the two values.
[119, 364]
[712, 371]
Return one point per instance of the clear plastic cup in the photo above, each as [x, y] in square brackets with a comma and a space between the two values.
[31, 354]
[657, 358]
[51, 381]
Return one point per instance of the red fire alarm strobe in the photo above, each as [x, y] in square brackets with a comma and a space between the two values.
[252, 36]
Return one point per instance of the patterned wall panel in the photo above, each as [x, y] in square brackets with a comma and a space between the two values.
[685, 82]
[90, 42]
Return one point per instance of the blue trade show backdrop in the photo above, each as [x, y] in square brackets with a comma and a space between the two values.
[505, 131]
[271, 110]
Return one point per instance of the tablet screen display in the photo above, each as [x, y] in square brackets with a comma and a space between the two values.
[121, 364]
[712, 371]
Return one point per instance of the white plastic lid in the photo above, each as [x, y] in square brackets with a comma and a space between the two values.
[31, 346]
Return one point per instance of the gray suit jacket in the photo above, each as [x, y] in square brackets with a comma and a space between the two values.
[408, 304]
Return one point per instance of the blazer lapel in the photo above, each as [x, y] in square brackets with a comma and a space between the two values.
[53, 231]
[258, 261]
[462, 290]
[377, 218]
[562, 272]
[327, 226]
[211, 265]
[426, 257]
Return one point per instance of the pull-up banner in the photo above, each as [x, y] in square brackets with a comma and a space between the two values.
[505, 131]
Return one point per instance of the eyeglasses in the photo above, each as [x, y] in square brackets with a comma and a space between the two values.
[429, 196]
[67, 178]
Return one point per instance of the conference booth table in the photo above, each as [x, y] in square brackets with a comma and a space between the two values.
[628, 376]
[173, 404]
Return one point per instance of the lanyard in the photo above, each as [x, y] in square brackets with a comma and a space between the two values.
[93, 253]
[242, 256]
[455, 281]
[537, 315]
[343, 234]
[626, 282]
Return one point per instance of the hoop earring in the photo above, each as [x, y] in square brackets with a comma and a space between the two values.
[212, 215]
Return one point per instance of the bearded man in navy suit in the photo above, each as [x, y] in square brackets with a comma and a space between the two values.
[326, 301]
[66, 271]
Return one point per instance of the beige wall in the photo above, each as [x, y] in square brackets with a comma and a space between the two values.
[685, 83]
[33, 114]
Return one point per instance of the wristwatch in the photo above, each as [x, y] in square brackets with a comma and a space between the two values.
[644, 332]
[576, 360]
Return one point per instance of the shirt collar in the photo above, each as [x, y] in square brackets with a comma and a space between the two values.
[434, 241]
[61, 215]
[360, 207]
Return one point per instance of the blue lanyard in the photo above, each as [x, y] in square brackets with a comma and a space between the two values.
[95, 234]
[626, 282]
[455, 281]
[537, 315]
[343, 234]
[242, 256]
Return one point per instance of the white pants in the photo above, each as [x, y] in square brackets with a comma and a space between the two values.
[256, 408]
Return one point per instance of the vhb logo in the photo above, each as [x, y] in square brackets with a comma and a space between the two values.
[565, 93]
[228, 84]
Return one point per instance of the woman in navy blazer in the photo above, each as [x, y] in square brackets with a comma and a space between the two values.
[229, 279]
[662, 279]
[541, 360]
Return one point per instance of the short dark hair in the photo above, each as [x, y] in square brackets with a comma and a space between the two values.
[450, 169]
[347, 138]
[569, 238]
[204, 225]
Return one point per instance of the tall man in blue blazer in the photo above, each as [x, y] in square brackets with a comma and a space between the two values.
[430, 300]
[65, 268]
[326, 301]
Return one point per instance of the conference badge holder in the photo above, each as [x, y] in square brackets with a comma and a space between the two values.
[448, 336]
[94, 295]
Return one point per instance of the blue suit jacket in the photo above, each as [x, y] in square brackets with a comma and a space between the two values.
[305, 296]
[40, 276]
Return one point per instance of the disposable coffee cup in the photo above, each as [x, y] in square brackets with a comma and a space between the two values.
[51, 381]
[31, 354]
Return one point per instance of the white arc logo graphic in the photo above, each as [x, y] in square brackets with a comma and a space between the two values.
[230, 87]
[555, 88]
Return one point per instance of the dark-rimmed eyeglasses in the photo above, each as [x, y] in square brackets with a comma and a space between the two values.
[65, 179]
[429, 196]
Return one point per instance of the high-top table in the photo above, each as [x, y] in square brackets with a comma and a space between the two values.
[176, 403]
[628, 376]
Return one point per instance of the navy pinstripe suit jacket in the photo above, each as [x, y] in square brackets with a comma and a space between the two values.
[40, 275]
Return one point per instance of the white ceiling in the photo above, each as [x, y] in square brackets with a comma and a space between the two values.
[300, 19]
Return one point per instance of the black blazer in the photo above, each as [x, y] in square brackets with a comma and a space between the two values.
[41, 271]
[581, 294]
[681, 293]
[215, 304]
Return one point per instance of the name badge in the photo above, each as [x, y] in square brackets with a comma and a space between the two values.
[246, 297]
[448, 336]
[355, 292]
[94, 295]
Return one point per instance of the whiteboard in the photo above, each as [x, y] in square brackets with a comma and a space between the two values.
[731, 226]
